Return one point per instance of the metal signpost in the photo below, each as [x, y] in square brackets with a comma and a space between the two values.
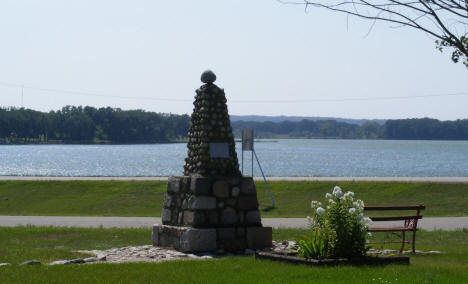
[248, 145]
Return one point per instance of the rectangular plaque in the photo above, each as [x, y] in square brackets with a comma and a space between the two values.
[247, 139]
[219, 150]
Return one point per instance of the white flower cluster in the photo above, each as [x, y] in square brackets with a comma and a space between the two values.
[338, 196]
[337, 192]
[359, 204]
[315, 204]
[366, 221]
[320, 211]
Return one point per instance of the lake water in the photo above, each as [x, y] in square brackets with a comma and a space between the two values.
[286, 157]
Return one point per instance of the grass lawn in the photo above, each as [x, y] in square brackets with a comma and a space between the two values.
[18, 244]
[145, 198]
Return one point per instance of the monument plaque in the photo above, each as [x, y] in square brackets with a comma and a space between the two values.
[219, 150]
[212, 207]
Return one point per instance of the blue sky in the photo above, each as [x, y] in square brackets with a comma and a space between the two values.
[272, 59]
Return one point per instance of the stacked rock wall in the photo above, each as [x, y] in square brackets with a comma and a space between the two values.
[229, 205]
[210, 124]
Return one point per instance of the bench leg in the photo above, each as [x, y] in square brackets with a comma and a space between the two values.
[414, 240]
[402, 242]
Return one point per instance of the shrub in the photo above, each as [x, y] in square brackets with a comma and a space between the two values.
[341, 226]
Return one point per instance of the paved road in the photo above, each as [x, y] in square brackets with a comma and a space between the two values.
[443, 223]
[337, 179]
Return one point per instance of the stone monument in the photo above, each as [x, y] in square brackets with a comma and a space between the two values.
[212, 207]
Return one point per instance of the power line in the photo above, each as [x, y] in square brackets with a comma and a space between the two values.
[353, 99]
[81, 93]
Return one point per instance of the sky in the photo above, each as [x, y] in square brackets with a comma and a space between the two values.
[271, 59]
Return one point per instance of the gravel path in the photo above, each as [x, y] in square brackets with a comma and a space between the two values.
[337, 179]
[443, 223]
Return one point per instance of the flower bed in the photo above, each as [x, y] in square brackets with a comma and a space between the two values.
[338, 235]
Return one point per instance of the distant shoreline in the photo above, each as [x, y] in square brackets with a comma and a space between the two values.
[237, 140]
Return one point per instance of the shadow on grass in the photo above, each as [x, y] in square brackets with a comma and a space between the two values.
[268, 208]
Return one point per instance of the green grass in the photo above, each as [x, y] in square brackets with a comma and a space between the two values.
[46, 244]
[145, 198]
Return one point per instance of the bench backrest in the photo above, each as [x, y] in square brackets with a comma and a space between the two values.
[379, 208]
[410, 220]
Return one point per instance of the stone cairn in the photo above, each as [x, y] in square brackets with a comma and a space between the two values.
[212, 207]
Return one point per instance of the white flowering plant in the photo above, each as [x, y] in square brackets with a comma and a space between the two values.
[340, 226]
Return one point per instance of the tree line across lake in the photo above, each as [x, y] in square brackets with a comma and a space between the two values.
[109, 125]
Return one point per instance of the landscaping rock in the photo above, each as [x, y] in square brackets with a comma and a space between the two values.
[30, 262]
[60, 262]
[92, 259]
[77, 260]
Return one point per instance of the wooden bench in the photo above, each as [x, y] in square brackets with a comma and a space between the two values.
[410, 222]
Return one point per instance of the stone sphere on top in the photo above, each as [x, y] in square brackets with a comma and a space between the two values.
[208, 77]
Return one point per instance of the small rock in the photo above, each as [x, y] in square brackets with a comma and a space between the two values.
[90, 259]
[77, 260]
[30, 262]
[60, 262]
[5, 264]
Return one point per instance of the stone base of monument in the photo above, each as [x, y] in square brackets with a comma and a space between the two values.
[188, 239]
[209, 213]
